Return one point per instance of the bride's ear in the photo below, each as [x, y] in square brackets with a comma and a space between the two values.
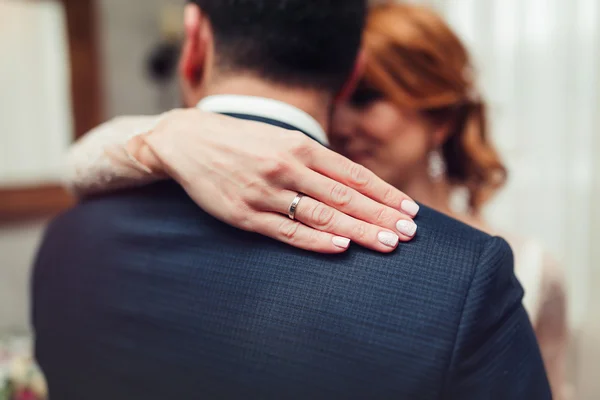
[194, 64]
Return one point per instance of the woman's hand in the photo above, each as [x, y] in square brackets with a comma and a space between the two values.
[248, 173]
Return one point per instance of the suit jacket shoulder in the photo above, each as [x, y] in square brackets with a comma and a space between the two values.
[495, 353]
[237, 315]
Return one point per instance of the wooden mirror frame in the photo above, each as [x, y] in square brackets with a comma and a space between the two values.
[22, 203]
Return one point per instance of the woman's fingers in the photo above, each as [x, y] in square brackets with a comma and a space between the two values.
[355, 176]
[324, 218]
[355, 204]
[283, 229]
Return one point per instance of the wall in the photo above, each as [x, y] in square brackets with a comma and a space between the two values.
[129, 32]
[18, 244]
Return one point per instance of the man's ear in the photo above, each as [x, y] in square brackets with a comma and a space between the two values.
[354, 78]
[194, 53]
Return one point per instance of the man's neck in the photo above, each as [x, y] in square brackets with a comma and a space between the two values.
[315, 103]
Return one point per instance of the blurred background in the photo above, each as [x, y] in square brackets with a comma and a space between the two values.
[66, 66]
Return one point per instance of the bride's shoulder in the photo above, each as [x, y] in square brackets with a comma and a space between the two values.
[537, 269]
[530, 253]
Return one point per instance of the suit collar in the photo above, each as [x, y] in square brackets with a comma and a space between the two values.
[266, 110]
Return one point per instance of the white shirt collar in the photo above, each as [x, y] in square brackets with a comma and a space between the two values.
[265, 108]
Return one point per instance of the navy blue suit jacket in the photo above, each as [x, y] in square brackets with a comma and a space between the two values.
[142, 295]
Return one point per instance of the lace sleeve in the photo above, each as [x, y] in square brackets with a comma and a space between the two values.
[98, 162]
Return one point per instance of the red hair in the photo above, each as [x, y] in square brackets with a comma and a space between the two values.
[418, 62]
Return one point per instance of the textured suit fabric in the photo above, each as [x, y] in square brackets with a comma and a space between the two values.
[142, 295]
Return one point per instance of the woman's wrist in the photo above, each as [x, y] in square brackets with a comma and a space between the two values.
[149, 151]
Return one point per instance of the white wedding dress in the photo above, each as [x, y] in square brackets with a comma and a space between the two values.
[99, 163]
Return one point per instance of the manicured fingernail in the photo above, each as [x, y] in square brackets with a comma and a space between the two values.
[341, 242]
[410, 207]
[407, 228]
[388, 238]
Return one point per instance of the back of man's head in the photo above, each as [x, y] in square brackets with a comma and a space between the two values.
[308, 43]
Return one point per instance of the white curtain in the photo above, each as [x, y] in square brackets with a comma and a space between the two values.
[539, 67]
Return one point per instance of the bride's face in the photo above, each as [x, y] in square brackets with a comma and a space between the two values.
[391, 142]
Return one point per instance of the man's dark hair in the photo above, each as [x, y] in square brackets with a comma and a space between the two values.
[310, 43]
